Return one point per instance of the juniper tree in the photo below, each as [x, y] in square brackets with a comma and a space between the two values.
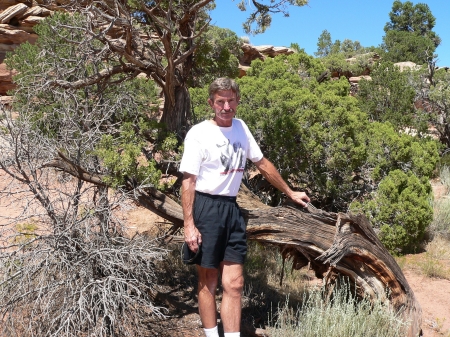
[159, 39]
[409, 34]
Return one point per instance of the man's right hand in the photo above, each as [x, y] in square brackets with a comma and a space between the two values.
[192, 236]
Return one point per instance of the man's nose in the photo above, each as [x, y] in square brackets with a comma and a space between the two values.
[226, 106]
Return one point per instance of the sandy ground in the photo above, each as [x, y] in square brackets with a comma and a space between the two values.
[432, 294]
[434, 298]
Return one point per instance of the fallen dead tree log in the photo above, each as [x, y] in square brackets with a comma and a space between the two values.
[334, 246]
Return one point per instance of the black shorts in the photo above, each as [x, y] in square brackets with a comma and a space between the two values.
[223, 229]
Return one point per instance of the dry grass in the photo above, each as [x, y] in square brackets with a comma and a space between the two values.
[436, 259]
[434, 262]
[441, 206]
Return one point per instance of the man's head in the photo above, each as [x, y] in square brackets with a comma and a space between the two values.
[224, 83]
[223, 99]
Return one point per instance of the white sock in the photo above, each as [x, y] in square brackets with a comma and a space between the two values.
[213, 332]
[232, 334]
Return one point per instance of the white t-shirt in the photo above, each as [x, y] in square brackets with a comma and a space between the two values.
[217, 156]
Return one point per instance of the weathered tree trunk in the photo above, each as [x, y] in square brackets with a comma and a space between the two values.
[336, 245]
[177, 113]
[333, 245]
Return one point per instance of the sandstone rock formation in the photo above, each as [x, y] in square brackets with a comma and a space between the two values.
[259, 52]
[5, 79]
[17, 19]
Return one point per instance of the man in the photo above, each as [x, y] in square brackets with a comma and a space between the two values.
[213, 164]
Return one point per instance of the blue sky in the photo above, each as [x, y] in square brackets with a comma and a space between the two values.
[357, 20]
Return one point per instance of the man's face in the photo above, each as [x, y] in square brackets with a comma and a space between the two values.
[224, 106]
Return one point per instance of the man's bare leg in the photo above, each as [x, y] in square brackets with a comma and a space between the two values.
[207, 285]
[233, 284]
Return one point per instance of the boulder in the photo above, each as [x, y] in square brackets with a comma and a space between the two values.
[12, 12]
[36, 11]
[407, 65]
[356, 79]
[6, 101]
[11, 35]
[264, 48]
[4, 4]
[30, 21]
[6, 74]
[243, 70]
[5, 87]
[6, 79]
[259, 52]
[250, 54]
[8, 47]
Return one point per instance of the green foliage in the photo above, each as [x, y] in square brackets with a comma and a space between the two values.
[296, 47]
[389, 97]
[200, 107]
[217, 55]
[324, 44]
[400, 46]
[338, 63]
[409, 34]
[389, 150]
[417, 18]
[110, 121]
[348, 48]
[290, 115]
[318, 137]
[401, 209]
[347, 58]
[122, 156]
[351, 48]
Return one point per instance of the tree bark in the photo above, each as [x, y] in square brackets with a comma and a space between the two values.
[177, 114]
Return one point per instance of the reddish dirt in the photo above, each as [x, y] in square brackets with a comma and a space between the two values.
[434, 298]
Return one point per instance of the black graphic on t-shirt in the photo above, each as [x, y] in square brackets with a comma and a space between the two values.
[232, 157]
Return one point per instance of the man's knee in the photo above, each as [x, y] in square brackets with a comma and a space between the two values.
[207, 278]
[233, 281]
[234, 286]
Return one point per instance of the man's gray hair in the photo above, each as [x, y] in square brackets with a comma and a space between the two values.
[223, 83]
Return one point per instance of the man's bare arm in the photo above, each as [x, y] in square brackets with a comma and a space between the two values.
[192, 236]
[270, 172]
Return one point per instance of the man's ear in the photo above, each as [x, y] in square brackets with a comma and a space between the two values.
[210, 102]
